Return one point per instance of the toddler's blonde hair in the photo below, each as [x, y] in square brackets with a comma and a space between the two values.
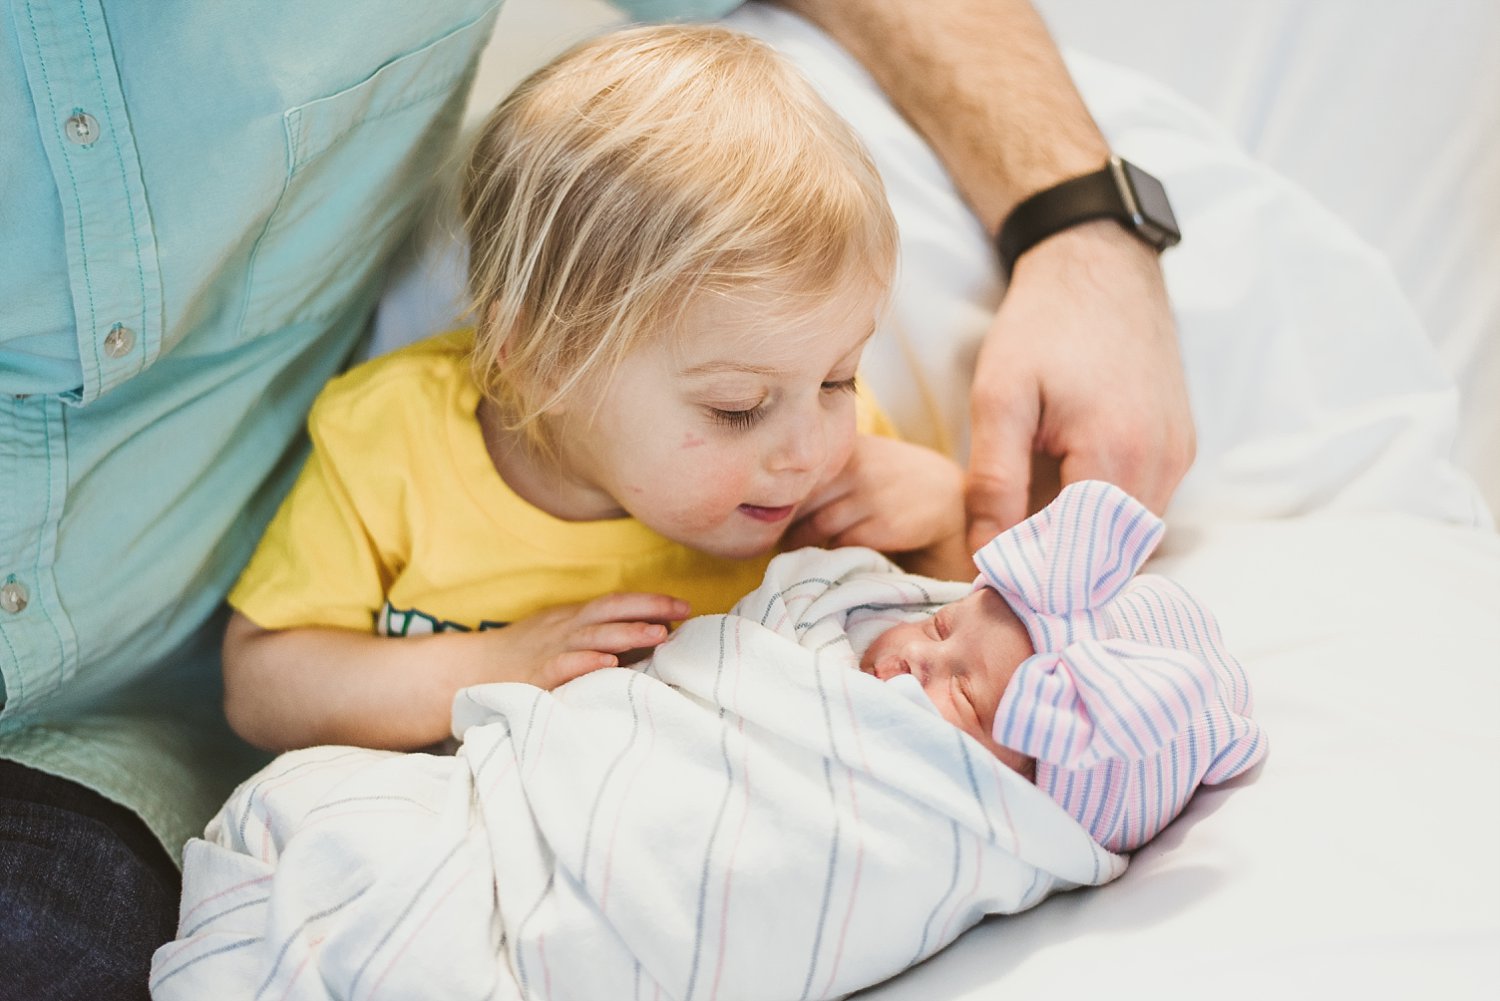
[636, 171]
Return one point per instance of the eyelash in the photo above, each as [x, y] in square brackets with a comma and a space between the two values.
[841, 386]
[738, 420]
[741, 420]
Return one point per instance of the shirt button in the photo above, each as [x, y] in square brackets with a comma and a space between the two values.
[13, 596]
[119, 341]
[81, 128]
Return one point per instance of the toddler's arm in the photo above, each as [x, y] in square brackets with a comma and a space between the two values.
[314, 685]
[896, 497]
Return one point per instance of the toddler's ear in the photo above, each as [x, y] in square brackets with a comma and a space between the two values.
[492, 329]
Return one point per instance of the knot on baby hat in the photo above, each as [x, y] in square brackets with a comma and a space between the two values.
[1131, 699]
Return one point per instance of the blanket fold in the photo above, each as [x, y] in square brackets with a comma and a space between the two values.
[745, 816]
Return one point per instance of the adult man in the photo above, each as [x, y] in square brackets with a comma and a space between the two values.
[199, 206]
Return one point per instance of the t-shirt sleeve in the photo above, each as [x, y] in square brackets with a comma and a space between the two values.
[319, 562]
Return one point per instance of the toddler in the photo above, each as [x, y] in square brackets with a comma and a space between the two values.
[677, 255]
[1112, 692]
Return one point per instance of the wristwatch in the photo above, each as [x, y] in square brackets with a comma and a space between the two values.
[1120, 191]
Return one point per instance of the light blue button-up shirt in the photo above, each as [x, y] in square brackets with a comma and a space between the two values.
[197, 203]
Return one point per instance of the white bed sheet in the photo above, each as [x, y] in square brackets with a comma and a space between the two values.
[1359, 860]
[1346, 555]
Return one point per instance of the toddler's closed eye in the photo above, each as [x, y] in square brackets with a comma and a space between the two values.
[738, 420]
[848, 385]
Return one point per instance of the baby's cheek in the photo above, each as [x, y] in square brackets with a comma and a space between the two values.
[965, 723]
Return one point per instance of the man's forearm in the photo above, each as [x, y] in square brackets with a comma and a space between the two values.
[982, 81]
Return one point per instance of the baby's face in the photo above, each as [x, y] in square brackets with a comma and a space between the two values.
[964, 657]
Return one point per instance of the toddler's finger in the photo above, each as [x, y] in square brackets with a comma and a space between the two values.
[574, 664]
[802, 533]
[639, 606]
[842, 485]
[834, 519]
[617, 637]
[867, 532]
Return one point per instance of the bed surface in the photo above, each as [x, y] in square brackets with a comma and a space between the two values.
[1358, 861]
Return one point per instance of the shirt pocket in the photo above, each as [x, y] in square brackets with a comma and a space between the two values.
[358, 165]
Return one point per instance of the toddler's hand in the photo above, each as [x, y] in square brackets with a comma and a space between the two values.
[892, 496]
[563, 642]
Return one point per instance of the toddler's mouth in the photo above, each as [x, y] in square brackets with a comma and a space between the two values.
[767, 514]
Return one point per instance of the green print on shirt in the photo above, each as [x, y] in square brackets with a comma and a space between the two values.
[414, 622]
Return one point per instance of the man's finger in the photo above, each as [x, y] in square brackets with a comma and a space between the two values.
[999, 473]
[1128, 466]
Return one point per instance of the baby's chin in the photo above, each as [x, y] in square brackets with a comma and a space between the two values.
[1012, 759]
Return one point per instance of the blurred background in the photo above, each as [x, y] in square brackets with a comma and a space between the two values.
[1388, 111]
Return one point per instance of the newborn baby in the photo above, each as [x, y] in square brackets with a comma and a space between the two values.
[1112, 692]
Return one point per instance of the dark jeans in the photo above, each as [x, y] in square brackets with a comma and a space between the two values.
[86, 892]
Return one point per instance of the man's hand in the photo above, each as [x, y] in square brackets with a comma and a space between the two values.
[896, 497]
[1081, 365]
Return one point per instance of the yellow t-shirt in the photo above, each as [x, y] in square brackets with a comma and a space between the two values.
[399, 523]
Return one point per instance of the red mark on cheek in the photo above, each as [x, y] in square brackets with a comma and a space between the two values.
[691, 440]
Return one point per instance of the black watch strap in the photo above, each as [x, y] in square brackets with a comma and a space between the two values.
[1120, 191]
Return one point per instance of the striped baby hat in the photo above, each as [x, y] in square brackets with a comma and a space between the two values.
[1131, 699]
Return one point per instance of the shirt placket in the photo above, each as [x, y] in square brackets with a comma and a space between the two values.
[117, 308]
[84, 129]
[38, 650]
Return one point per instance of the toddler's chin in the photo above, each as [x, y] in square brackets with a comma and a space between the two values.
[745, 551]
[732, 549]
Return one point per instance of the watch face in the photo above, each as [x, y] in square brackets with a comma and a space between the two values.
[1153, 212]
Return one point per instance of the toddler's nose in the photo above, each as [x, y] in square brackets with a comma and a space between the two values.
[803, 448]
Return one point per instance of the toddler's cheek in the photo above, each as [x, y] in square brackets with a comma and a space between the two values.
[702, 505]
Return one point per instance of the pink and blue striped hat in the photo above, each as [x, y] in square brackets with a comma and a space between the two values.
[1131, 700]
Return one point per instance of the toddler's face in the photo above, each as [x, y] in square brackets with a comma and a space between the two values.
[716, 438]
[964, 657]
